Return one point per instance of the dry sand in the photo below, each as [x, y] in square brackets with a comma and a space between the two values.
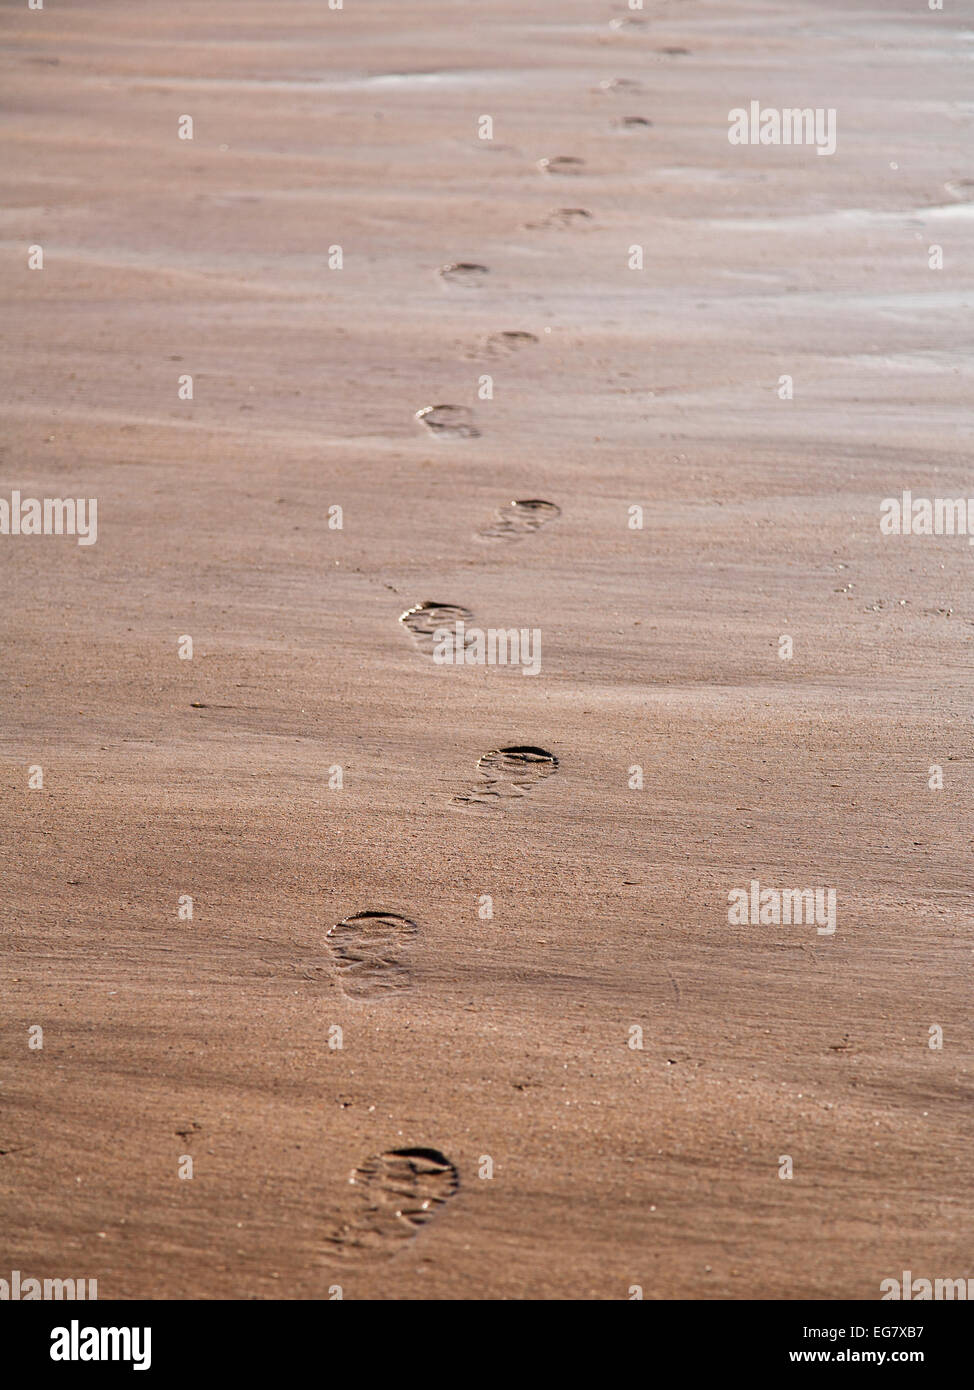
[505, 1038]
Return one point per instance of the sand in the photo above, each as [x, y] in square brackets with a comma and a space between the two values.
[500, 1045]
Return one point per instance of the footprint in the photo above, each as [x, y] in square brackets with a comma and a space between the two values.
[562, 217]
[464, 273]
[399, 1192]
[448, 419]
[423, 620]
[508, 342]
[618, 84]
[519, 518]
[367, 949]
[561, 164]
[509, 773]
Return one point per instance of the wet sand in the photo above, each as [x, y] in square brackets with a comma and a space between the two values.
[505, 1038]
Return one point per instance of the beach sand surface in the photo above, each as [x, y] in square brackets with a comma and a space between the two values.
[498, 1044]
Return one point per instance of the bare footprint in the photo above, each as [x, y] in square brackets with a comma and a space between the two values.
[399, 1192]
[561, 218]
[367, 948]
[561, 164]
[520, 518]
[424, 619]
[448, 419]
[465, 273]
[509, 773]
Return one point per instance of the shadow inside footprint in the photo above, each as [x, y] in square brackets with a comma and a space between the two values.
[424, 619]
[367, 948]
[520, 518]
[508, 773]
[399, 1192]
[448, 419]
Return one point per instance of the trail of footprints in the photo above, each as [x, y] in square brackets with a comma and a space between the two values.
[398, 1192]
